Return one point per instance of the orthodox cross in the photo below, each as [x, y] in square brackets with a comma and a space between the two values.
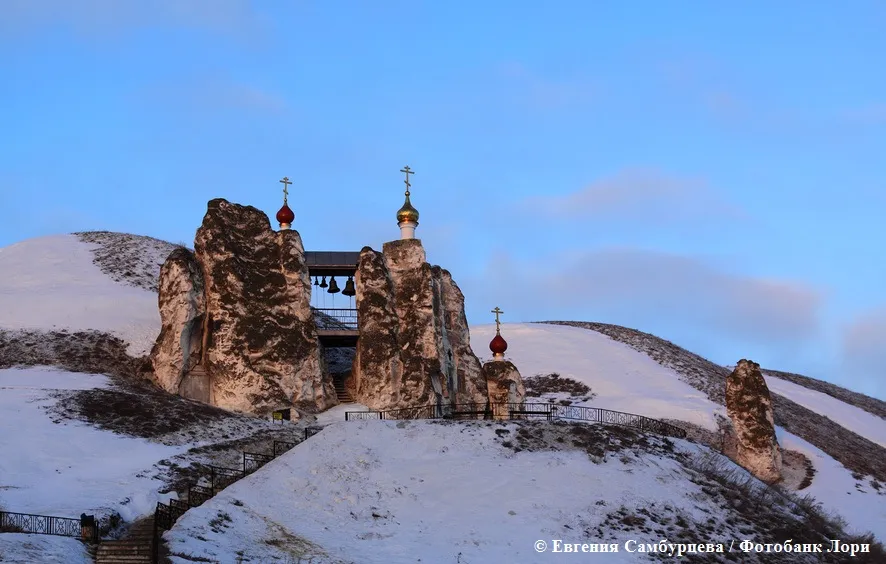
[408, 171]
[497, 312]
[285, 182]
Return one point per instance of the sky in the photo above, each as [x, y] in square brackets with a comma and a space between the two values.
[710, 173]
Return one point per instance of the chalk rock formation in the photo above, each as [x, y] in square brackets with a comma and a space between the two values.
[749, 407]
[414, 346]
[178, 348]
[504, 382]
[261, 347]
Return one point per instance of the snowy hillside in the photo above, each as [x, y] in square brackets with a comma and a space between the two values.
[100, 282]
[83, 442]
[850, 446]
[626, 379]
[470, 492]
[76, 443]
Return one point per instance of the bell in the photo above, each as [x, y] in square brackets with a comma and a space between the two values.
[316, 282]
[333, 287]
[323, 284]
[349, 288]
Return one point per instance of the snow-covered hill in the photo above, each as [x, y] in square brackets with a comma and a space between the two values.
[470, 492]
[94, 282]
[82, 442]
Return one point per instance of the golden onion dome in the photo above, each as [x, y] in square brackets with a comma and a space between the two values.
[407, 213]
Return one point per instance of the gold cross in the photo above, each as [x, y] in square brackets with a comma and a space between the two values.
[286, 184]
[408, 171]
[497, 312]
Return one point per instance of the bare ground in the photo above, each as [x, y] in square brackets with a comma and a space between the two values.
[133, 260]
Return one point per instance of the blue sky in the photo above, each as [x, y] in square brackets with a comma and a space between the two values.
[710, 173]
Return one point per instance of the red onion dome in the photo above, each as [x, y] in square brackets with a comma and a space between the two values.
[498, 345]
[285, 215]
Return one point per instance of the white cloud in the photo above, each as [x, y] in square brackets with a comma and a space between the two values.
[864, 348]
[647, 195]
[636, 286]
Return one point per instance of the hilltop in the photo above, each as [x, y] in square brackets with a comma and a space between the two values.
[79, 315]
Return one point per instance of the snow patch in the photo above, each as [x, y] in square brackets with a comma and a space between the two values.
[853, 418]
[855, 500]
[622, 378]
[51, 283]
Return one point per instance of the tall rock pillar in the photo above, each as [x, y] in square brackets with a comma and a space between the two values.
[749, 406]
[414, 346]
[244, 298]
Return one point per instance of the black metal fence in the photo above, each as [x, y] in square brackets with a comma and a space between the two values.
[282, 446]
[221, 477]
[524, 410]
[166, 514]
[83, 528]
[332, 318]
[252, 461]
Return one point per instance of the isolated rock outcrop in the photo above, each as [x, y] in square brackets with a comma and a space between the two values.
[261, 347]
[504, 382]
[749, 407]
[414, 346]
[178, 347]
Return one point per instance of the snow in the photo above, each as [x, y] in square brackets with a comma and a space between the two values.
[46, 549]
[55, 286]
[337, 413]
[438, 490]
[863, 507]
[623, 378]
[853, 418]
[377, 492]
[68, 468]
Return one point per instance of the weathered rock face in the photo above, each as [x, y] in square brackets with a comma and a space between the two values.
[414, 346]
[261, 347]
[749, 407]
[504, 382]
[179, 346]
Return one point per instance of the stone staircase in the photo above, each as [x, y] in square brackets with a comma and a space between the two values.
[341, 393]
[134, 548]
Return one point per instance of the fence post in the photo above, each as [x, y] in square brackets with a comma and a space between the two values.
[88, 530]
[155, 542]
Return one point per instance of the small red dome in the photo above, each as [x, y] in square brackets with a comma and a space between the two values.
[285, 215]
[498, 345]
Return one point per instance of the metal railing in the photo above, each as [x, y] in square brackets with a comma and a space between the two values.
[221, 477]
[336, 318]
[83, 528]
[166, 514]
[282, 446]
[524, 410]
[252, 461]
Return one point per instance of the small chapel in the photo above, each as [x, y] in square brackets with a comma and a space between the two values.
[250, 323]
